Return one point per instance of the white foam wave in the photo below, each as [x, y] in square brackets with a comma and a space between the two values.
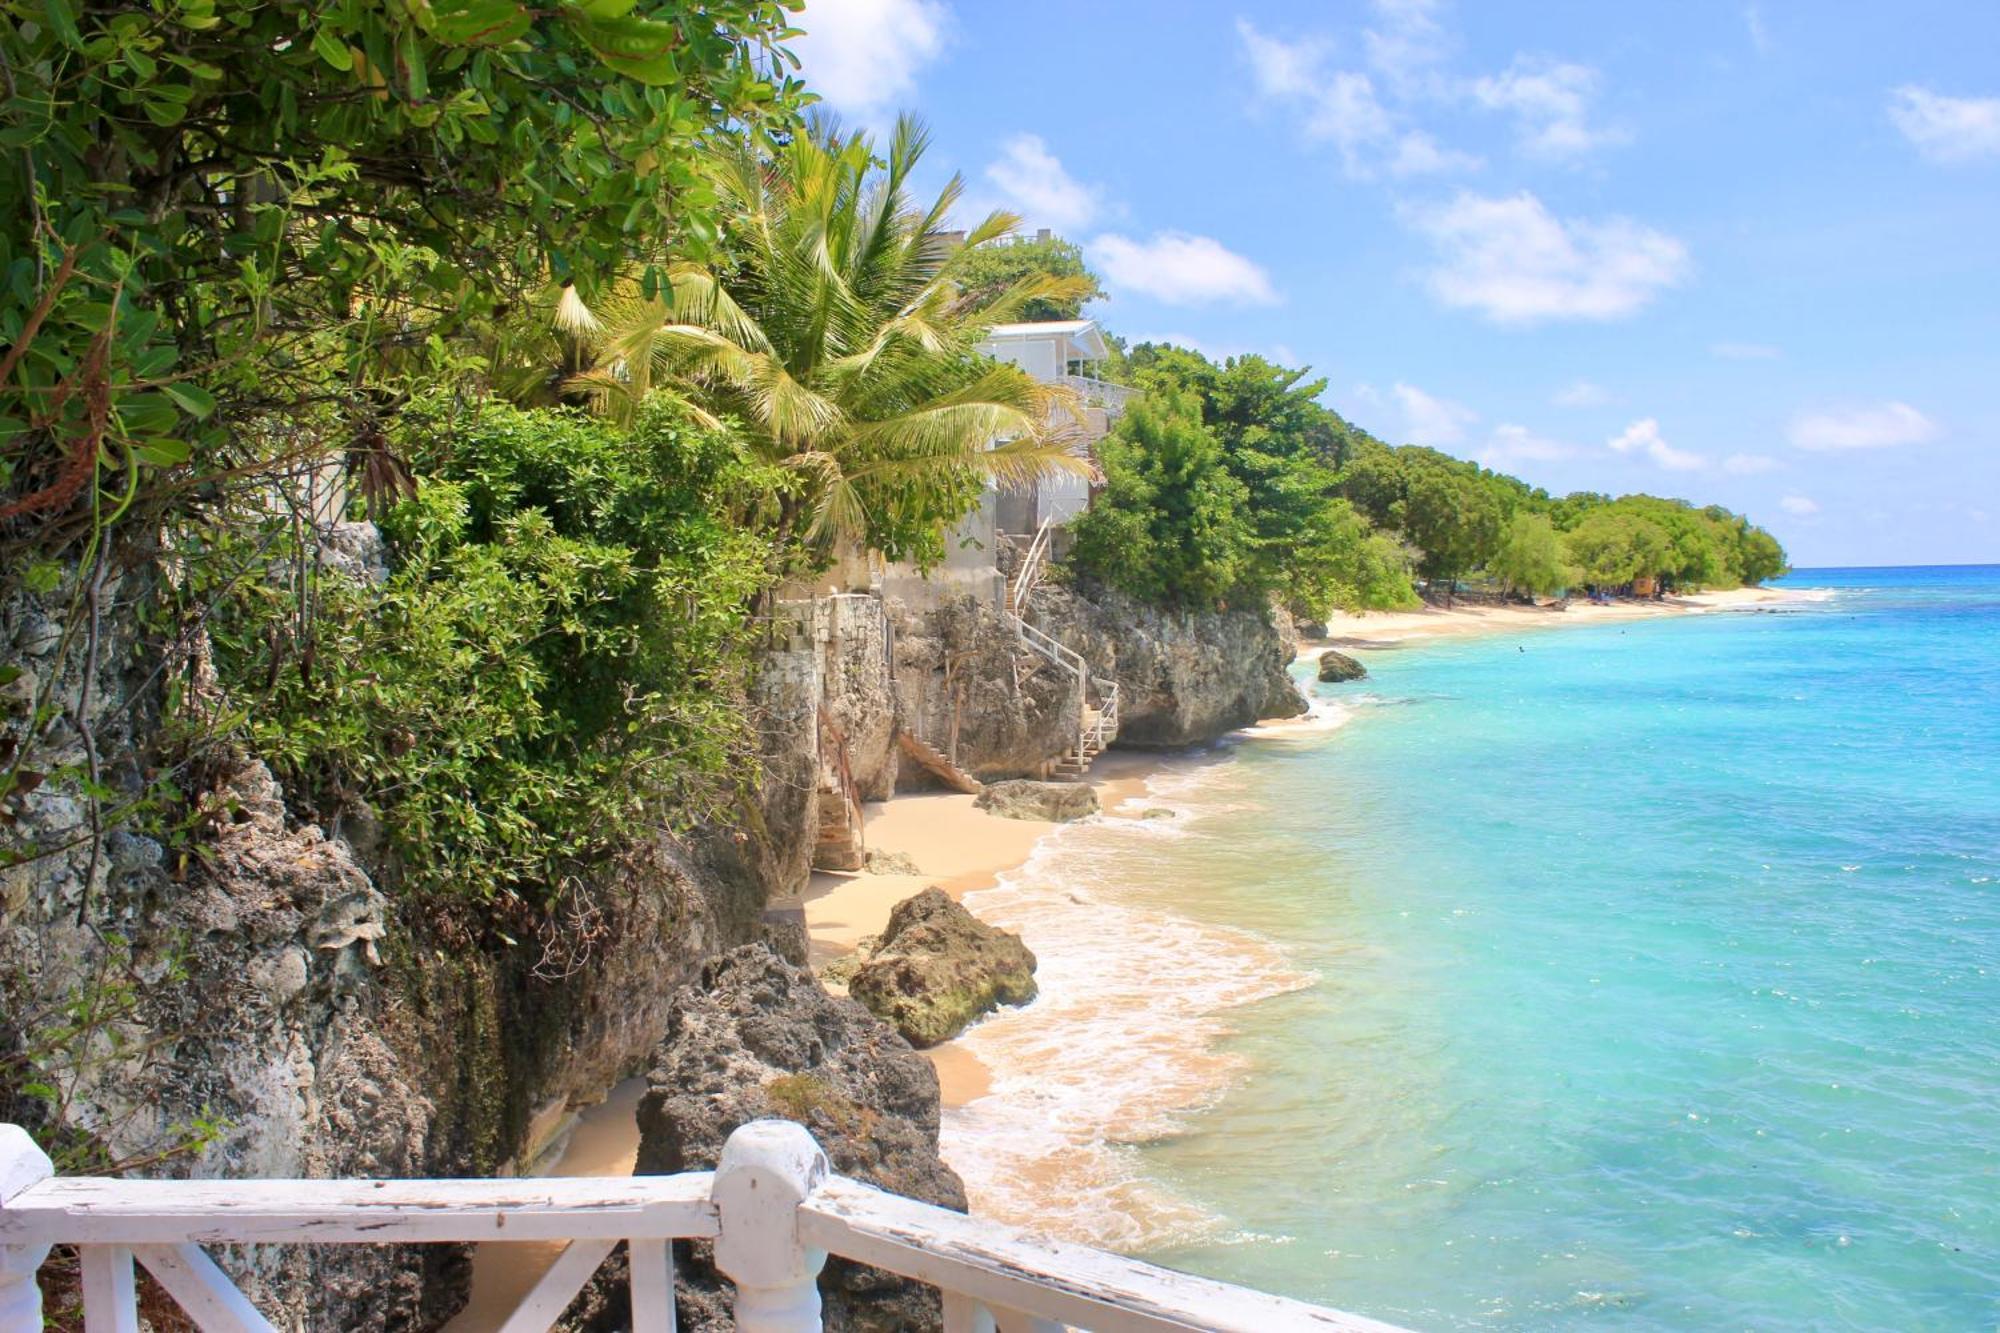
[1320, 717]
[1121, 1043]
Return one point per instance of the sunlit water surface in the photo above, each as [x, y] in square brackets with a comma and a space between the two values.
[1643, 974]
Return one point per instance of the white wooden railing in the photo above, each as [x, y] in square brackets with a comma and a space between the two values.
[1094, 733]
[772, 1207]
[1098, 393]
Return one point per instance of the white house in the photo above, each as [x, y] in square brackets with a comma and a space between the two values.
[1063, 352]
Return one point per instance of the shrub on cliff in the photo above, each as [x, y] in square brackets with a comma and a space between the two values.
[552, 665]
[1171, 525]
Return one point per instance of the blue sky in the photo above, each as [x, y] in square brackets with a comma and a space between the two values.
[1746, 253]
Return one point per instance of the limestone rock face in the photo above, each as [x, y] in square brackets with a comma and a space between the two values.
[964, 682]
[1338, 666]
[755, 1037]
[1184, 677]
[938, 967]
[1021, 798]
[328, 1025]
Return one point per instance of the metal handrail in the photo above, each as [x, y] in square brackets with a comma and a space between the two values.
[1030, 571]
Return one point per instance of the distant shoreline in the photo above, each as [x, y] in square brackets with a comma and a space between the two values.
[1387, 629]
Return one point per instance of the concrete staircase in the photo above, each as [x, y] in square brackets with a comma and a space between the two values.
[937, 764]
[841, 845]
[1097, 696]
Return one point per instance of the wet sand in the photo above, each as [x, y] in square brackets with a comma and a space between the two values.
[960, 849]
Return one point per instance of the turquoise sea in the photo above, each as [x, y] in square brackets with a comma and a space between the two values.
[1642, 975]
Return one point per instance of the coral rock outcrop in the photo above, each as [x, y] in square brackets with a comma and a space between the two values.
[937, 968]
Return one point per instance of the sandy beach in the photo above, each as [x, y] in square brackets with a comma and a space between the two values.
[960, 849]
[1381, 629]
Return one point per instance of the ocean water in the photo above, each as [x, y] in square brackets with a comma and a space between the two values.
[1642, 975]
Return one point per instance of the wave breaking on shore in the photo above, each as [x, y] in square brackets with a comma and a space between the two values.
[1124, 1041]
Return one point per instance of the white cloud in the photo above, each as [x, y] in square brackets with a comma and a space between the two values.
[1947, 129]
[1180, 269]
[1643, 437]
[1550, 102]
[1513, 444]
[863, 56]
[1035, 183]
[1802, 506]
[1342, 107]
[1748, 465]
[1512, 260]
[1407, 42]
[1745, 351]
[1760, 34]
[1433, 421]
[1581, 393]
[1282, 68]
[1418, 154]
[1882, 426]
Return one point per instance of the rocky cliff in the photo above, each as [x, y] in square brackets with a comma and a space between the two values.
[966, 684]
[1184, 677]
[253, 1005]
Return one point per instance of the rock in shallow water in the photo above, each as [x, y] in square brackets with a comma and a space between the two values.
[1337, 666]
[938, 967]
[1023, 799]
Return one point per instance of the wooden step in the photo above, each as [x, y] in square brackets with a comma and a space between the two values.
[942, 768]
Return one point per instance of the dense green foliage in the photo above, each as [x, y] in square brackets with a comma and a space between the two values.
[1300, 539]
[987, 272]
[840, 334]
[1531, 557]
[1171, 525]
[216, 209]
[1332, 517]
[550, 669]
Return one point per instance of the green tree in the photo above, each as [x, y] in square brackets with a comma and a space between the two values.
[218, 210]
[1283, 445]
[549, 671]
[1611, 547]
[1453, 518]
[988, 272]
[1341, 562]
[1171, 524]
[1530, 558]
[841, 337]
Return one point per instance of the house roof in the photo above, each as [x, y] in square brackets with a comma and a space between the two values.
[1082, 333]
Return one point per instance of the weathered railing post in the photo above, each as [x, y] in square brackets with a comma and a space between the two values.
[22, 1164]
[768, 1168]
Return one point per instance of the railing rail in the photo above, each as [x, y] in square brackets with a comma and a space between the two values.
[1029, 572]
[771, 1207]
[1098, 393]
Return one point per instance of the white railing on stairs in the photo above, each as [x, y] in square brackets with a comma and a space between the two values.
[1029, 572]
[772, 1208]
[1093, 734]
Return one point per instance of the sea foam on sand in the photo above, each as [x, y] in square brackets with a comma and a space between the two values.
[1123, 1040]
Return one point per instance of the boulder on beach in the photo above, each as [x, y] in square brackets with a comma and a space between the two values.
[938, 967]
[756, 1037]
[890, 863]
[1337, 666]
[1022, 798]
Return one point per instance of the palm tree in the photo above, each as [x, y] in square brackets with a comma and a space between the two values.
[841, 339]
